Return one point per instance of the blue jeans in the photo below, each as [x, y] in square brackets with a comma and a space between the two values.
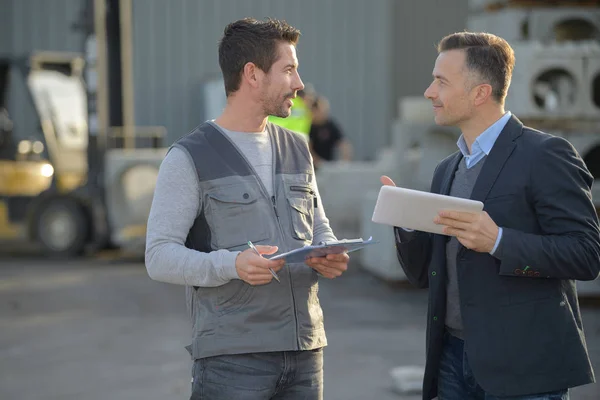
[289, 375]
[456, 380]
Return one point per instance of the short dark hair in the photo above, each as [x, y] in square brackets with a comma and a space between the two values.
[249, 40]
[490, 56]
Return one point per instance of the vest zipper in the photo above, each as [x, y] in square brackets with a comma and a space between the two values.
[283, 238]
[301, 189]
[306, 190]
[274, 201]
[275, 207]
[289, 271]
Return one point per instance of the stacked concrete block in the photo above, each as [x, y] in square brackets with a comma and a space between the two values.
[545, 25]
[417, 147]
[550, 81]
[556, 80]
[421, 142]
[592, 89]
[556, 56]
[342, 184]
[436, 144]
[582, 141]
[563, 24]
[507, 23]
[415, 109]
[379, 259]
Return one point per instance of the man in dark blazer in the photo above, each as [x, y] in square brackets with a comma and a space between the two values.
[503, 318]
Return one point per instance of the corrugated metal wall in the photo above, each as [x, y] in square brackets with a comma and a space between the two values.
[6, 31]
[362, 55]
[418, 28]
[42, 25]
[344, 52]
[32, 25]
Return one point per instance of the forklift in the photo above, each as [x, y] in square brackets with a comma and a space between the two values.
[44, 191]
[70, 183]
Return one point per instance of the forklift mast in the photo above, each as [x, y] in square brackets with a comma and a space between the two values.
[100, 20]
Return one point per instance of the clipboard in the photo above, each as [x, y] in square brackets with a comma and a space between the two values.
[301, 254]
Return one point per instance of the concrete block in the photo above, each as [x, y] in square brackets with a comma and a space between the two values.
[379, 259]
[563, 23]
[415, 109]
[592, 87]
[436, 143]
[583, 142]
[507, 24]
[546, 25]
[548, 81]
[341, 185]
[419, 148]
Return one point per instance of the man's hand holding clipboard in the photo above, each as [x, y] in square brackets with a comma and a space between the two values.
[331, 266]
[330, 259]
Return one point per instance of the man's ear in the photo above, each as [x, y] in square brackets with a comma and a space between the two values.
[252, 74]
[482, 93]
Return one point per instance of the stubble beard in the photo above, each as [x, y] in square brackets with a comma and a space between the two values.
[277, 107]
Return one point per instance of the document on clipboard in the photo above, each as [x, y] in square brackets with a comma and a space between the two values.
[321, 250]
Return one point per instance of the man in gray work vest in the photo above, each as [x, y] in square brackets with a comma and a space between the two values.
[230, 181]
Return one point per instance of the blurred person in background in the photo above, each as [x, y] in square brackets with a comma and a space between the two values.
[233, 180]
[327, 142]
[503, 316]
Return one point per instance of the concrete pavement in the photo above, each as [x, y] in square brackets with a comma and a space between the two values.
[101, 329]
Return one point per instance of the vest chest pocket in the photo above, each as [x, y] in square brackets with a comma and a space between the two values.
[235, 217]
[300, 198]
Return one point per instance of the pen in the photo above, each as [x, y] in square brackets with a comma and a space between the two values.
[251, 245]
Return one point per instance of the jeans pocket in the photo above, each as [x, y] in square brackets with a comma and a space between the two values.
[235, 376]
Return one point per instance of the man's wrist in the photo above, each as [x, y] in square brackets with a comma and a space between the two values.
[230, 265]
[496, 250]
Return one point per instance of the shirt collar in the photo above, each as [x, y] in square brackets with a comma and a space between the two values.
[485, 141]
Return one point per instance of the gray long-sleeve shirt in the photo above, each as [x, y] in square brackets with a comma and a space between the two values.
[177, 203]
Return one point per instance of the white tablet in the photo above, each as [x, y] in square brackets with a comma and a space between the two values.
[415, 209]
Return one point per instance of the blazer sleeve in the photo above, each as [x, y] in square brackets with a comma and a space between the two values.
[414, 248]
[414, 253]
[569, 246]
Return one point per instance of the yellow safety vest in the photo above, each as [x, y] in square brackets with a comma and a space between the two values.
[299, 120]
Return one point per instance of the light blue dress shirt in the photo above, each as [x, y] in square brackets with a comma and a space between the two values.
[481, 148]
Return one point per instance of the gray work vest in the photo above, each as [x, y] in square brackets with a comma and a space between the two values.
[237, 317]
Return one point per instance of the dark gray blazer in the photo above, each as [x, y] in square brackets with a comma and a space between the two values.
[522, 325]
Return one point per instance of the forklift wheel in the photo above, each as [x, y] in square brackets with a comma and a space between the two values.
[61, 228]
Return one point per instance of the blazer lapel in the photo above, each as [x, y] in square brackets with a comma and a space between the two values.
[494, 162]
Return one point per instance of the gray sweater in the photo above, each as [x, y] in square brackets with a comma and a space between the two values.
[177, 203]
[462, 186]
